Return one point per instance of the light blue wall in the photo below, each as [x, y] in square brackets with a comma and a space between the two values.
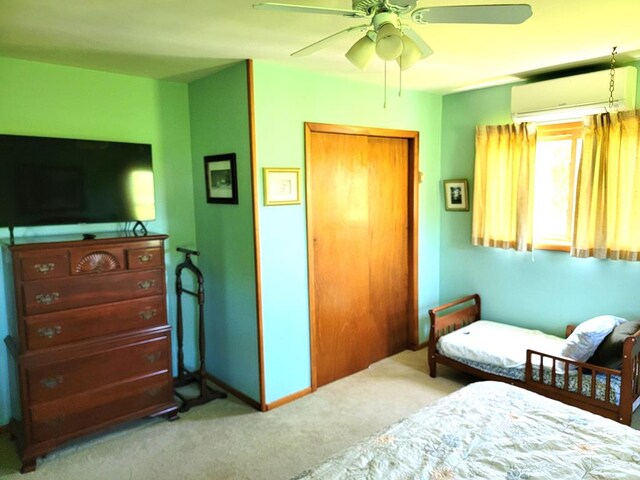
[546, 290]
[48, 100]
[220, 124]
[285, 98]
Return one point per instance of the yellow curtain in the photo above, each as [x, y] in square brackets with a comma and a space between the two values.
[607, 212]
[503, 186]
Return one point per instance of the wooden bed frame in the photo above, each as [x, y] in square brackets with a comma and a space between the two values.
[454, 315]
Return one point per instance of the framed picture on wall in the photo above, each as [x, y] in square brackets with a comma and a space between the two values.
[456, 195]
[281, 186]
[222, 178]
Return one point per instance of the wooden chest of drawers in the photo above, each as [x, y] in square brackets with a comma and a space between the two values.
[89, 336]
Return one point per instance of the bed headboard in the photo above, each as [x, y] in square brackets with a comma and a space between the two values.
[454, 315]
[449, 317]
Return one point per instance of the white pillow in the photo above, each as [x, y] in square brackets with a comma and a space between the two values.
[584, 340]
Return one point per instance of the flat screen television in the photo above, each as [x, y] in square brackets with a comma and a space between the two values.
[60, 181]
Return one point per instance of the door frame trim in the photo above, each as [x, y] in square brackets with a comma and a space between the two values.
[413, 138]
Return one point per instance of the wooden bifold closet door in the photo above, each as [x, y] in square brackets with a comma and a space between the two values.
[358, 190]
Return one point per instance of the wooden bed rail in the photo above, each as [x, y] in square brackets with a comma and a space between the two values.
[630, 375]
[569, 330]
[475, 297]
[448, 318]
[630, 388]
[559, 371]
[583, 392]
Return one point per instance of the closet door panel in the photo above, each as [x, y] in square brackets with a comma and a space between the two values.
[358, 222]
[388, 240]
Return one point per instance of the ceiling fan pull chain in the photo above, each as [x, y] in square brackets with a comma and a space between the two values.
[612, 74]
[385, 84]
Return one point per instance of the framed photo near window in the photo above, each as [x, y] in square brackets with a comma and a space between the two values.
[222, 178]
[456, 195]
[281, 186]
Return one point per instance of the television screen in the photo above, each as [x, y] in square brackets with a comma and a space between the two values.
[59, 181]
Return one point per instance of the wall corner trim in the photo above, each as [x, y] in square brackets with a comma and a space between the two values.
[288, 399]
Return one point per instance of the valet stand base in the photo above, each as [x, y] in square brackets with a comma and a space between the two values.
[207, 393]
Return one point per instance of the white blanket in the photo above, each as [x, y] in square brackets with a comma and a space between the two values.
[497, 344]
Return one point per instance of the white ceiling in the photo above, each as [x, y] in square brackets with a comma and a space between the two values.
[183, 40]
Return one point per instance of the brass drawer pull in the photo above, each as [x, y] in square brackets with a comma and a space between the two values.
[47, 298]
[147, 314]
[146, 284]
[44, 268]
[145, 257]
[51, 382]
[152, 357]
[50, 332]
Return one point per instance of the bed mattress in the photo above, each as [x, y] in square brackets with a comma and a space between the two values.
[491, 430]
[497, 344]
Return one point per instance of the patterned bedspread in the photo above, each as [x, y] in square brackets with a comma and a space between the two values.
[492, 430]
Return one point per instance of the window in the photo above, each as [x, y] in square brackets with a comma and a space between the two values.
[558, 150]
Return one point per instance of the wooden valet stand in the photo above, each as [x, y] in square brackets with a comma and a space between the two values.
[185, 377]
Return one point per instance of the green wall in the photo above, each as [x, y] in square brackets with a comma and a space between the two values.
[546, 289]
[220, 124]
[46, 100]
[285, 98]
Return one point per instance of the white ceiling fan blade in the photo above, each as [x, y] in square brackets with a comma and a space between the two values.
[425, 49]
[308, 9]
[494, 14]
[314, 47]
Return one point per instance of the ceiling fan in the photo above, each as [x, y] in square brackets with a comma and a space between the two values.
[387, 33]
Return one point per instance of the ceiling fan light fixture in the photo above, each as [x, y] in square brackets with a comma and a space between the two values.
[388, 42]
[410, 53]
[361, 53]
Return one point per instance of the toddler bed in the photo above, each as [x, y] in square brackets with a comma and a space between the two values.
[595, 369]
[491, 430]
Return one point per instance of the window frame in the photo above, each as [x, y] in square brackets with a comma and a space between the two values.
[555, 132]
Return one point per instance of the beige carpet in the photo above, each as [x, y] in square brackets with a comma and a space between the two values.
[226, 439]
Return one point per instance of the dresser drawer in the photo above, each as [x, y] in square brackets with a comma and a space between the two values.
[87, 411]
[51, 329]
[54, 295]
[145, 257]
[88, 369]
[54, 264]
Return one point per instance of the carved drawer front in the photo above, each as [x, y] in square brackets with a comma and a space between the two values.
[54, 264]
[96, 260]
[99, 368]
[145, 257]
[51, 329]
[52, 295]
[86, 412]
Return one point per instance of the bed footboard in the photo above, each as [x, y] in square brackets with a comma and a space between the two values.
[448, 318]
[575, 382]
[630, 387]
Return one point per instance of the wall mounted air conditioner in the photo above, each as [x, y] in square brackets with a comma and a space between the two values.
[573, 97]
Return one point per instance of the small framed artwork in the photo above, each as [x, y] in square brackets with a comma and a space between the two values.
[456, 195]
[222, 178]
[281, 186]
